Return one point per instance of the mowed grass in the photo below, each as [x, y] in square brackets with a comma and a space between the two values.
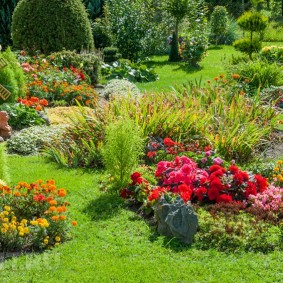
[112, 244]
[177, 73]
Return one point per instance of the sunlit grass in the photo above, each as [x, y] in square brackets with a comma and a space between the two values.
[112, 244]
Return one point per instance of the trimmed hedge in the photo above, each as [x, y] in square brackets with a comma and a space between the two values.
[51, 26]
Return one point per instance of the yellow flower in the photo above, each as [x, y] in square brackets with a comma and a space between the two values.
[34, 222]
[45, 241]
[21, 233]
[26, 230]
[5, 219]
[276, 169]
[57, 239]
[24, 221]
[279, 162]
[7, 208]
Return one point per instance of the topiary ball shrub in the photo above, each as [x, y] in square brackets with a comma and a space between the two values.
[118, 87]
[52, 26]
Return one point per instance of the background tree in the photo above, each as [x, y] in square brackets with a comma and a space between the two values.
[94, 8]
[252, 22]
[6, 11]
[277, 8]
[178, 10]
[218, 23]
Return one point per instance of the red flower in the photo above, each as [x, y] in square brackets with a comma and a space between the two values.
[217, 184]
[135, 176]
[168, 142]
[251, 190]
[39, 198]
[234, 169]
[216, 174]
[224, 198]
[186, 196]
[125, 193]
[240, 177]
[261, 182]
[43, 102]
[34, 99]
[151, 154]
[213, 193]
[207, 148]
[82, 76]
[200, 193]
[216, 167]
[154, 195]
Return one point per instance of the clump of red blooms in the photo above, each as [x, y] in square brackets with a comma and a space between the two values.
[183, 177]
[34, 102]
[169, 146]
[78, 72]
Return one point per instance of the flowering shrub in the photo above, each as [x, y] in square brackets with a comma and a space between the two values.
[194, 47]
[270, 202]
[183, 177]
[272, 53]
[277, 177]
[53, 83]
[32, 216]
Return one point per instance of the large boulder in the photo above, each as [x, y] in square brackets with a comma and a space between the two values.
[176, 219]
[5, 129]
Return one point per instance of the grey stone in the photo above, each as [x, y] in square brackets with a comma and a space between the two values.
[176, 220]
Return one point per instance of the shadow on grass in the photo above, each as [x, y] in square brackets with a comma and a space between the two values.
[170, 243]
[104, 207]
[179, 65]
[215, 47]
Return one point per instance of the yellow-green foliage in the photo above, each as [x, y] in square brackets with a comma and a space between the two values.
[12, 76]
[4, 176]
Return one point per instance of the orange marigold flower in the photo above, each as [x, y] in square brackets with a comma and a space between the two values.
[62, 193]
[38, 108]
[247, 81]
[216, 79]
[53, 202]
[62, 217]
[17, 194]
[74, 223]
[236, 76]
[61, 208]
[55, 217]
[52, 208]
[221, 76]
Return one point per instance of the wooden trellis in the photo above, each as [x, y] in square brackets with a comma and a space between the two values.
[4, 93]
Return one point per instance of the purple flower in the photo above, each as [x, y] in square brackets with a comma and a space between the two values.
[204, 160]
[208, 153]
[217, 161]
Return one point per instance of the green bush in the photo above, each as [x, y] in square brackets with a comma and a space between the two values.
[81, 146]
[101, 34]
[274, 32]
[22, 116]
[52, 27]
[252, 22]
[118, 87]
[230, 231]
[133, 72]
[111, 54]
[33, 140]
[12, 76]
[247, 46]
[218, 23]
[260, 73]
[122, 150]
[89, 62]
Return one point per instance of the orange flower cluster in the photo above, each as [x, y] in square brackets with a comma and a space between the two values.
[34, 102]
[41, 206]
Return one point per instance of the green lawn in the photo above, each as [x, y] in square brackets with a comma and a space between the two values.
[172, 73]
[112, 244]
